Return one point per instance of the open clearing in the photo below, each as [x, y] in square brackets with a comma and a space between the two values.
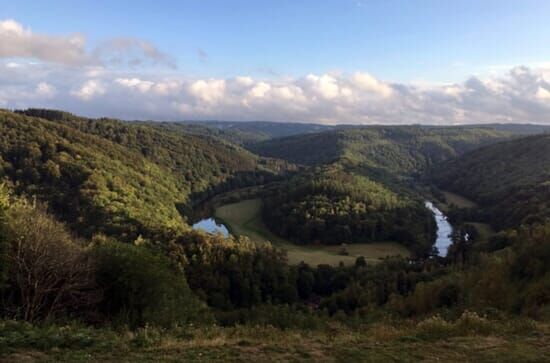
[458, 200]
[244, 218]
[485, 230]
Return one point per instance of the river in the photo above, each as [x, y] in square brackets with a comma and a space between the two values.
[211, 226]
[444, 230]
[442, 243]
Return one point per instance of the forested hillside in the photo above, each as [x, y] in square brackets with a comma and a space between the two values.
[509, 180]
[398, 149]
[119, 179]
[243, 133]
[333, 206]
[365, 192]
[93, 232]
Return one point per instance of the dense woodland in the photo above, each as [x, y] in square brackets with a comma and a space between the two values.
[397, 149]
[332, 206]
[362, 189]
[510, 181]
[93, 225]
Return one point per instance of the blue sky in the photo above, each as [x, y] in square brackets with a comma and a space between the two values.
[401, 44]
[395, 40]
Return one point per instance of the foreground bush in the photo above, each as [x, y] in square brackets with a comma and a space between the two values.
[141, 287]
[46, 272]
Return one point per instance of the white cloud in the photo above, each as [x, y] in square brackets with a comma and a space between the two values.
[366, 82]
[543, 94]
[45, 90]
[326, 86]
[260, 90]
[19, 42]
[15, 41]
[135, 83]
[89, 90]
[520, 94]
[210, 91]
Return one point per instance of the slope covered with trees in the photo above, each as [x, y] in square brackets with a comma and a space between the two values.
[364, 189]
[91, 232]
[332, 206]
[509, 180]
[123, 180]
[243, 133]
[398, 149]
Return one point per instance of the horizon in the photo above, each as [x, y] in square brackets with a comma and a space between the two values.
[339, 62]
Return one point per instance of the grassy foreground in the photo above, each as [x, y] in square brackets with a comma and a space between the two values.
[468, 339]
[244, 218]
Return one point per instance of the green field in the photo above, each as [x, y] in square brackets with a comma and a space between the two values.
[244, 218]
[485, 231]
[458, 200]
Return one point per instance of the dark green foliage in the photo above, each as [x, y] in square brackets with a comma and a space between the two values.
[47, 274]
[243, 133]
[397, 149]
[335, 207]
[132, 181]
[234, 274]
[140, 287]
[509, 180]
[4, 243]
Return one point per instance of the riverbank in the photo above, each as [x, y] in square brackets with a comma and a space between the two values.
[244, 218]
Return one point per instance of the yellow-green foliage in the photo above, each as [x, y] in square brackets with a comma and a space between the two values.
[118, 178]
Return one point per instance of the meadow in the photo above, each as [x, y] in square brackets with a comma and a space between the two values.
[244, 218]
[470, 338]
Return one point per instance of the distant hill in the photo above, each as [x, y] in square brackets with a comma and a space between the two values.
[518, 129]
[244, 133]
[509, 180]
[399, 149]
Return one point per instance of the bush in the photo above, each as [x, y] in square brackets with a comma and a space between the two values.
[433, 328]
[4, 203]
[17, 334]
[141, 287]
[47, 273]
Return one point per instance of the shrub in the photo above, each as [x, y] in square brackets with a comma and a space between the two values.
[471, 323]
[141, 287]
[48, 272]
[433, 328]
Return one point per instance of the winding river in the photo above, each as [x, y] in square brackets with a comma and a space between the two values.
[442, 243]
[444, 230]
[211, 226]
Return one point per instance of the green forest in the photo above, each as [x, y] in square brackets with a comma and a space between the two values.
[99, 260]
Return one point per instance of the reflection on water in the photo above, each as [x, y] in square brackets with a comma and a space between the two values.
[209, 225]
[444, 230]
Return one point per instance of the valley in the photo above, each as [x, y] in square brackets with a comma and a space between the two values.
[249, 226]
[244, 218]
[342, 181]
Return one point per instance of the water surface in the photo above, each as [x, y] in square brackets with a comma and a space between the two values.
[211, 226]
[444, 230]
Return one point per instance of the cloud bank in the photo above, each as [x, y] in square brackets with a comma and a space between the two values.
[38, 70]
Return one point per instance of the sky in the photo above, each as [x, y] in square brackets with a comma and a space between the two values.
[332, 61]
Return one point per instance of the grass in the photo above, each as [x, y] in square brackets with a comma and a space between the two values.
[458, 200]
[469, 339]
[485, 230]
[244, 218]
